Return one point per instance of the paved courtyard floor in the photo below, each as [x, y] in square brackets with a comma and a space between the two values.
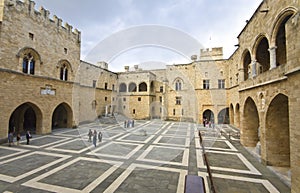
[153, 156]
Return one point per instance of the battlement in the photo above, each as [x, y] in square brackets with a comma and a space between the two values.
[211, 54]
[41, 15]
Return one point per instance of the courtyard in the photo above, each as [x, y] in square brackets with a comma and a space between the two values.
[153, 156]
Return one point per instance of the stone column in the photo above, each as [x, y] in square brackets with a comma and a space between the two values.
[106, 110]
[253, 65]
[272, 51]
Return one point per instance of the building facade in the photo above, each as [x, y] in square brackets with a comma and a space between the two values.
[44, 84]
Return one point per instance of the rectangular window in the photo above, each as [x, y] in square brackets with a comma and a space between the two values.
[94, 83]
[160, 99]
[221, 84]
[124, 99]
[205, 84]
[178, 100]
[161, 89]
[174, 112]
[65, 50]
[139, 98]
[105, 86]
[105, 98]
[133, 111]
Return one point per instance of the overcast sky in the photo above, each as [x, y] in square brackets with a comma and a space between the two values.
[212, 23]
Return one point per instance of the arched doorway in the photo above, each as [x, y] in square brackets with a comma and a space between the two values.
[62, 116]
[277, 132]
[26, 117]
[209, 116]
[250, 127]
[223, 116]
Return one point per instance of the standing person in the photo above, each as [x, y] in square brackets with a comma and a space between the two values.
[95, 138]
[18, 138]
[100, 136]
[132, 122]
[28, 136]
[90, 134]
[125, 124]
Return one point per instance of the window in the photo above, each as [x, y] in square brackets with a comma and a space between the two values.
[105, 98]
[113, 87]
[161, 89]
[205, 84]
[94, 83]
[124, 99]
[65, 50]
[31, 36]
[139, 98]
[133, 111]
[124, 107]
[28, 64]
[174, 112]
[178, 100]
[182, 111]
[105, 86]
[113, 99]
[221, 84]
[64, 72]
[178, 85]
[160, 99]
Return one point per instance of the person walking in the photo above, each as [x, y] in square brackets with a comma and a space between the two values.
[28, 136]
[95, 138]
[100, 136]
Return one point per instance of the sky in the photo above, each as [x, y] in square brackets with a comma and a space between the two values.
[129, 32]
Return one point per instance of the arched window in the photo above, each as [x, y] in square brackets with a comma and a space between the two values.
[178, 84]
[64, 72]
[132, 87]
[122, 87]
[246, 65]
[64, 67]
[143, 87]
[28, 64]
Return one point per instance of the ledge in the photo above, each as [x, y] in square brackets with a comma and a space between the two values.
[264, 83]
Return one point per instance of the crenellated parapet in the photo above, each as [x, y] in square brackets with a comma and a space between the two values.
[42, 15]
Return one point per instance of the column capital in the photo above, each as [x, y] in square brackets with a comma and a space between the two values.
[272, 48]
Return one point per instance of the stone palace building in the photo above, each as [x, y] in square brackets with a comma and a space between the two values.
[44, 84]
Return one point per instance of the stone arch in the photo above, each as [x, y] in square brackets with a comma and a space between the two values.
[208, 115]
[26, 116]
[246, 59]
[29, 60]
[262, 54]
[277, 132]
[132, 87]
[122, 87]
[62, 116]
[278, 38]
[231, 114]
[237, 115]
[143, 87]
[223, 116]
[250, 124]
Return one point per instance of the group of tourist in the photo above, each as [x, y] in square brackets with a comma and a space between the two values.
[94, 135]
[128, 123]
[10, 138]
[208, 123]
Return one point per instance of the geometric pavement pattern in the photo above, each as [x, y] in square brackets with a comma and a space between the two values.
[154, 156]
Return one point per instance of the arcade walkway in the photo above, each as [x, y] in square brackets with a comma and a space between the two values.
[153, 156]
